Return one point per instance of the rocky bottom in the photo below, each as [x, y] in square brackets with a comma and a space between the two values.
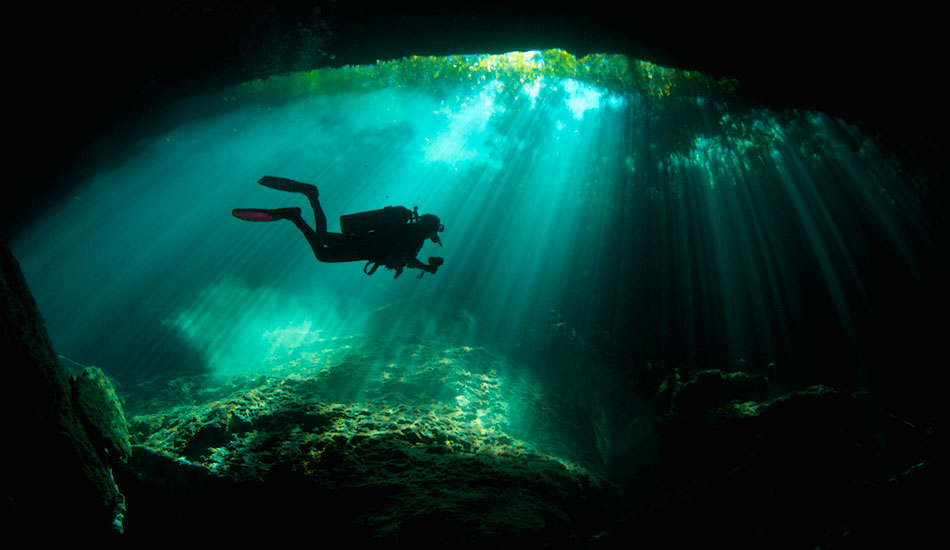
[357, 441]
[361, 441]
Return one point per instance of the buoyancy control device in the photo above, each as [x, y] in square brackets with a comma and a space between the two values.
[384, 219]
[377, 220]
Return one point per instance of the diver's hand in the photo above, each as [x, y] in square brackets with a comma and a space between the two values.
[434, 263]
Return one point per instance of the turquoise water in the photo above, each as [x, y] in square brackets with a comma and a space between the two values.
[680, 226]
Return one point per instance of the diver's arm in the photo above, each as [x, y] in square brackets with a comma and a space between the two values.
[431, 267]
[414, 262]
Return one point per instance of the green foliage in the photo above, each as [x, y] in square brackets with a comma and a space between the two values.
[611, 72]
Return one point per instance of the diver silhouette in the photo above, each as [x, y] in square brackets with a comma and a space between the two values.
[391, 237]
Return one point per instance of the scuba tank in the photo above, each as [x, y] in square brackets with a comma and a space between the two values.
[384, 219]
[376, 220]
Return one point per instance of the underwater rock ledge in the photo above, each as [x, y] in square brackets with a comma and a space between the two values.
[57, 477]
[420, 442]
[416, 442]
[278, 457]
[738, 462]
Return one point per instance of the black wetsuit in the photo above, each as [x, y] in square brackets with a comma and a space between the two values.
[396, 248]
[390, 237]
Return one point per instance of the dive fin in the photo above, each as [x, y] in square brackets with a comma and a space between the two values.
[264, 215]
[285, 184]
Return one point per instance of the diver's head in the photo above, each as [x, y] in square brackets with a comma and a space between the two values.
[431, 226]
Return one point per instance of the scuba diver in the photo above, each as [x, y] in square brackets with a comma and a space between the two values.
[391, 237]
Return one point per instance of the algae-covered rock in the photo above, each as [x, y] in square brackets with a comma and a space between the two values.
[102, 412]
[807, 467]
[56, 483]
[713, 388]
[419, 450]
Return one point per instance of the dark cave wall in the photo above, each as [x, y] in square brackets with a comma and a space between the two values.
[80, 71]
[56, 483]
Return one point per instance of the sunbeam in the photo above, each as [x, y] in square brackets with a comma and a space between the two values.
[655, 297]
[662, 219]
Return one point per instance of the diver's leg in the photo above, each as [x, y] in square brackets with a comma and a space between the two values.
[319, 218]
[313, 195]
[320, 222]
[312, 238]
[324, 253]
